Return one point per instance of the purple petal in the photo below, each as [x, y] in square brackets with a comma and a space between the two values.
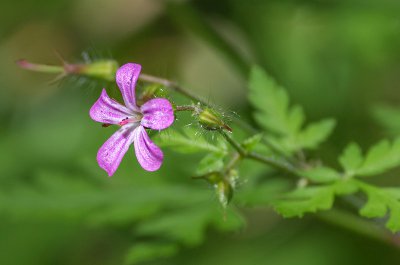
[113, 150]
[126, 78]
[157, 114]
[148, 154]
[107, 110]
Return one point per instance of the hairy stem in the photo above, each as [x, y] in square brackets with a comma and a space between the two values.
[186, 108]
[173, 86]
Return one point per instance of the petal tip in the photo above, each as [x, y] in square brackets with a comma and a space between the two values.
[158, 114]
[126, 77]
[128, 69]
[93, 112]
[106, 167]
[153, 167]
[149, 155]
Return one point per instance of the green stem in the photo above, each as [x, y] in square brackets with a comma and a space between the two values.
[173, 86]
[282, 166]
[186, 108]
[286, 167]
[236, 157]
[234, 144]
[358, 225]
[43, 68]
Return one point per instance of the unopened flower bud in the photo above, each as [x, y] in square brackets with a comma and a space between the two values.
[102, 69]
[224, 185]
[224, 191]
[211, 120]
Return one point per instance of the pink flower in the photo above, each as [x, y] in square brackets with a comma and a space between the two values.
[156, 114]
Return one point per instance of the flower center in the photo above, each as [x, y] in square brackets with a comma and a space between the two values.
[131, 120]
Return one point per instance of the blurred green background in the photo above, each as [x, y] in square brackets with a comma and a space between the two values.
[337, 58]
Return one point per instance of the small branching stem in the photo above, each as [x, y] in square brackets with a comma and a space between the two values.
[236, 158]
[282, 166]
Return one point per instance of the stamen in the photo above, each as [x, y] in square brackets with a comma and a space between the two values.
[129, 120]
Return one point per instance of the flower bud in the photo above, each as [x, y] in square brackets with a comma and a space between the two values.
[102, 69]
[211, 120]
[224, 185]
[224, 191]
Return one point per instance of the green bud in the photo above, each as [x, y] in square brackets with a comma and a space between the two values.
[102, 69]
[224, 191]
[224, 184]
[213, 178]
[211, 120]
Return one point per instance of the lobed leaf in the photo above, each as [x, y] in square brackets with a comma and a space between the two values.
[270, 100]
[381, 157]
[382, 202]
[274, 114]
[211, 162]
[321, 174]
[312, 199]
[315, 133]
[305, 200]
[188, 141]
[351, 158]
[251, 143]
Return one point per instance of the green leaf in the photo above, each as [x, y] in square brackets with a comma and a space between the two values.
[270, 100]
[296, 119]
[312, 199]
[375, 206]
[188, 226]
[211, 162]
[382, 202]
[321, 174]
[141, 252]
[273, 113]
[188, 141]
[351, 158]
[380, 158]
[315, 133]
[250, 143]
[305, 200]
[157, 207]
